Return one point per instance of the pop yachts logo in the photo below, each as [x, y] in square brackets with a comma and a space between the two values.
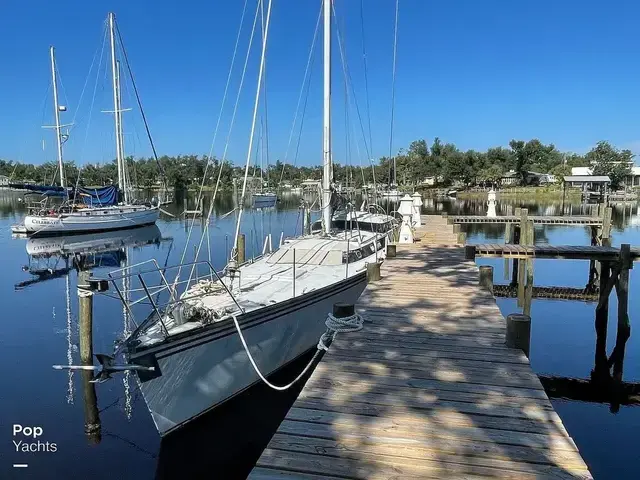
[29, 441]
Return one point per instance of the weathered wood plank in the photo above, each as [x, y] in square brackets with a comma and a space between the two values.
[424, 353]
[341, 380]
[426, 390]
[514, 458]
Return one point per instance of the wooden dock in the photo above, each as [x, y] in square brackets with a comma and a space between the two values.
[575, 252]
[537, 220]
[558, 293]
[426, 390]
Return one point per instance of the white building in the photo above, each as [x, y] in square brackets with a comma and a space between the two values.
[4, 181]
[632, 180]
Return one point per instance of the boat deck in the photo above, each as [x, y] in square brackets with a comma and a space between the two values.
[426, 390]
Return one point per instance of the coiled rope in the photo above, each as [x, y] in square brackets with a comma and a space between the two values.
[334, 325]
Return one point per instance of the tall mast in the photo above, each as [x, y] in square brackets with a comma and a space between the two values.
[116, 108]
[119, 110]
[326, 133]
[56, 107]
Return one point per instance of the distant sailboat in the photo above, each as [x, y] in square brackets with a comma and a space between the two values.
[90, 210]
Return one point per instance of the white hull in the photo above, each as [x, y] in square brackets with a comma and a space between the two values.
[92, 242]
[264, 199]
[92, 220]
[392, 195]
[198, 374]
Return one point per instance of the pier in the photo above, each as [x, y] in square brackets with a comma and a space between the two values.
[427, 389]
[537, 220]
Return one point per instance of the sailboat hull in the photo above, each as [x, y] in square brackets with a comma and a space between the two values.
[201, 372]
[92, 220]
[264, 199]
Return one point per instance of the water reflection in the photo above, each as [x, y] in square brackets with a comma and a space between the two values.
[114, 415]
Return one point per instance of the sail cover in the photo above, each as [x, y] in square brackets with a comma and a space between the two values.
[99, 197]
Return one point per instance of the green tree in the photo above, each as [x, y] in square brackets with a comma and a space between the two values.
[608, 160]
[561, 171]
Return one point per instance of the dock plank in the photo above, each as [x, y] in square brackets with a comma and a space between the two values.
[427, 389]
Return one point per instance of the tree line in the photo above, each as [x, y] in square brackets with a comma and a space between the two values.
[443, 163]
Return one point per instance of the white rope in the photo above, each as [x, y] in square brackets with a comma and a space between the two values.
[334, 325]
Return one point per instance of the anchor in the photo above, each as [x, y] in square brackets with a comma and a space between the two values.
[106, 368]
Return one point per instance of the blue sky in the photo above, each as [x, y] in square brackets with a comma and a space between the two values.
[476, 73]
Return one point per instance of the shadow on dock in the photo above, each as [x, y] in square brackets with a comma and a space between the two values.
[427, 389]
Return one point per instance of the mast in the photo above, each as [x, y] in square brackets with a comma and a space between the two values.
[57, 109]
[116, 105]
[119, 110]
[326, 133]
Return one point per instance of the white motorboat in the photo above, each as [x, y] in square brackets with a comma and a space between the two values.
[198, 347]
[392, 195]
[264, 199]
[90, 210]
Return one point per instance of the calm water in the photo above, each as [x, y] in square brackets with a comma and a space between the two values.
[40, 316]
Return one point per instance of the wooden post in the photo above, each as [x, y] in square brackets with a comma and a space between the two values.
[602, 318]
[373, 272]
[85, 311]
[241, 248]
[341, 310]
[606, 226]
[92, 424]
[624, 326]
[486, 277]
[516, 241]
[470, 252]
[391, 250]
[508, 236]
[519, 332]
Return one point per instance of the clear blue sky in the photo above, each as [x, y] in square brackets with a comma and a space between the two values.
[476, 73]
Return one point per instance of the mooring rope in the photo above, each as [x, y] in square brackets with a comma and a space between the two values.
[334, 325]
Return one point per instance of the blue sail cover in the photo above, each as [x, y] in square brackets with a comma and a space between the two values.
[99, 197]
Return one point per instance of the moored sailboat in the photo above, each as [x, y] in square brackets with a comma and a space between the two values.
[216, 334]
[90, 210]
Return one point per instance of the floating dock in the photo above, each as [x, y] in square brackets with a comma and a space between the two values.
[427, 389]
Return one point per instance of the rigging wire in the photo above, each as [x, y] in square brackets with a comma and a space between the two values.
[350, 82]
[215, 135]
[366, 90]
[144, 117]
[231, 125]
[253, 127]
[93, 98]
[393, 88]
[307, 72]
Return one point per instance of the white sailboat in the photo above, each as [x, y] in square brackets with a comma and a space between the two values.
[91, 210]
[279, 303]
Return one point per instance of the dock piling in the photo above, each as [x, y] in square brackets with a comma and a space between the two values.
[92, 424]
[373, 272]
[519, 332]
[85, 303]
[241, 248]
[486, 277]
[391, 250]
